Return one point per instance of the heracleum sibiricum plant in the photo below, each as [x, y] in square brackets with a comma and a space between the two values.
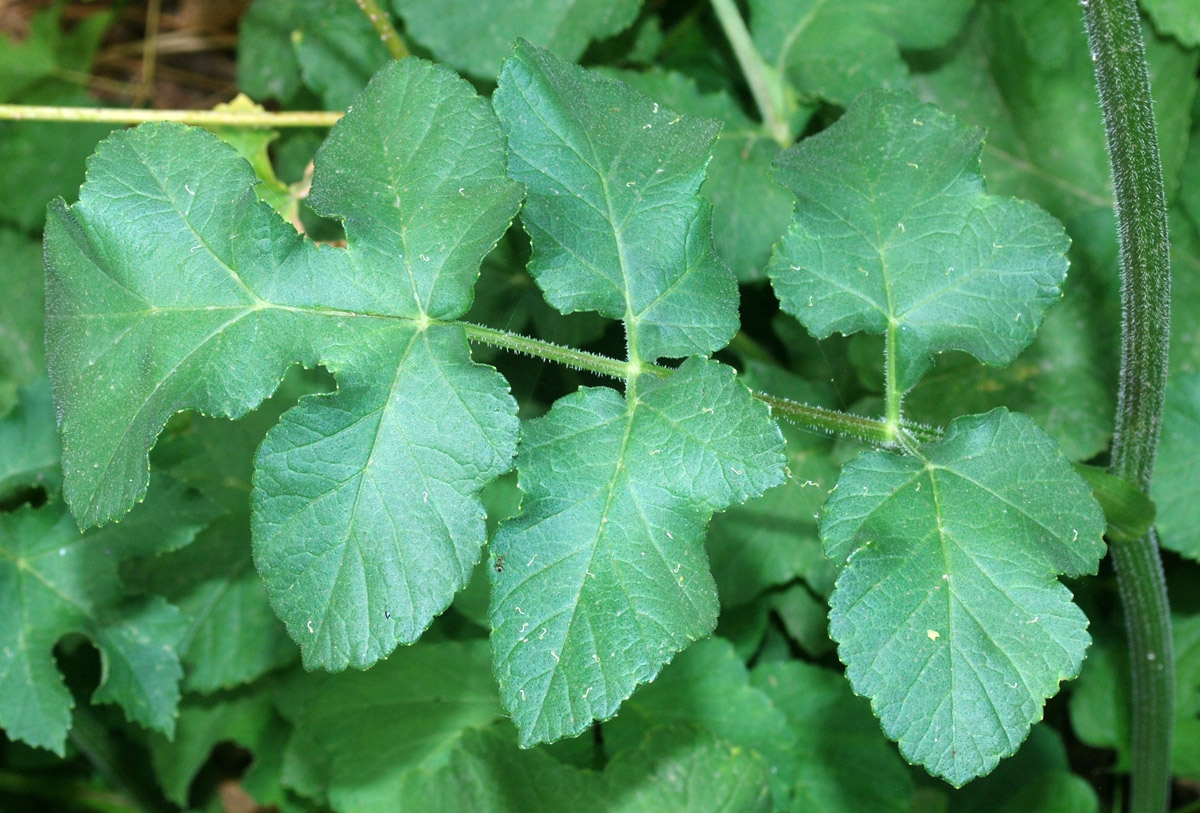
[376, 497]
[171, 286]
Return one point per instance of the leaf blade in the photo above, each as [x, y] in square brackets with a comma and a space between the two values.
[613, 208]
[894, 233]
[604, 575]
[948, 612]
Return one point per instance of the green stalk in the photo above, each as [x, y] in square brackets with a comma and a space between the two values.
[827, 420]
[764, 82]
[567, 356]
[383, 27]
[1114, 33]
[122, 115]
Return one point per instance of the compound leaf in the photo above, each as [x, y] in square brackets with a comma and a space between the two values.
[55, 581]
[245, 296]
[612, 209]
[603, 577]
[475, 35]
[894, 233]
[948, 613]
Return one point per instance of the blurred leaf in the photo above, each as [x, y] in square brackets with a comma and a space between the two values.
[29, 442]
[708, 686]
[837, 50]
[358, 733]
[54, 581]
[1176, 484]
[328, 46]
[202, 724]
[843, 763]
[1176, 18]
[474, 36]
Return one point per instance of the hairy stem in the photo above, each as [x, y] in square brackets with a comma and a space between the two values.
[1114, 32]
[384, 28]
[764, 83]
[828, 420]
[567, 356]
[121, 115]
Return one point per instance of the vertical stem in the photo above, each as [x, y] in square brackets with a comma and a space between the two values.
[149, 52]
[764, 87]
[1114, 32]
[383, 26]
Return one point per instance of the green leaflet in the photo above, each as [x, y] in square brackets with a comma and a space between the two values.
[894, 234]
[836, 49]
[604, 576]
[365, 525]
[750, 210]
[475, 35]
[612, 209]
[947, 613]
[54, 581]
